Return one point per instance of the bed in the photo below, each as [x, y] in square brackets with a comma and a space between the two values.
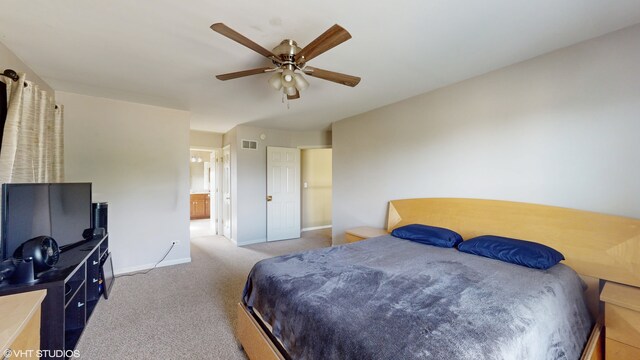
[387, 298]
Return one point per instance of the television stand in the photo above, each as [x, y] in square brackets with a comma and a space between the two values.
[72, 295]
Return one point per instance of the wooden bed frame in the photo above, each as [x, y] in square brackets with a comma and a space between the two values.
[599, 247]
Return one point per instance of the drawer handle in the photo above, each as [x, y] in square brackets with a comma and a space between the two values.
[95, 280]
[95, 262]
[80, 304]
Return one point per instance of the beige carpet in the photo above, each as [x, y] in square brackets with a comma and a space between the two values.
[183, 311]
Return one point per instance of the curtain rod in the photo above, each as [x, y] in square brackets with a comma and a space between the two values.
[10, 74]
[14, 76]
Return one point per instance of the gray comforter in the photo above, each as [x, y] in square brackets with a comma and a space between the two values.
[387, 298]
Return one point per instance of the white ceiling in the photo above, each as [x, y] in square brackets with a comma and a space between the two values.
[162, 52]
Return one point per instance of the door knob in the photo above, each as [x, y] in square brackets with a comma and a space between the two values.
[269, 197]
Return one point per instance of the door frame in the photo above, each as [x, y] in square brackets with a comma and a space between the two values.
[312, 147]
[211, 151]
[214, 186]
[226, 148]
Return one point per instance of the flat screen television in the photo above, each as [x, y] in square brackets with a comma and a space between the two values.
[59, 210]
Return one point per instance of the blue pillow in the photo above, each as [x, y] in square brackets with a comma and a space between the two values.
[429, 235]
[520, 252]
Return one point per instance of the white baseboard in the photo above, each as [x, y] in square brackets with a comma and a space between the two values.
[149, 266]
[251, 242]
[317, 228]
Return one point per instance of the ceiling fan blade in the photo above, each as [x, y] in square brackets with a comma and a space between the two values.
[237, 74]
[224, 30]
[293, 97]
[331, 38]
[339, 78]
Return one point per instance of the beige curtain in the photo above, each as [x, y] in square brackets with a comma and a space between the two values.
[32, 143]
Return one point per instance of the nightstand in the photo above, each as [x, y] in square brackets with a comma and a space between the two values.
[20, 327]
[363, 232]
[621, 321]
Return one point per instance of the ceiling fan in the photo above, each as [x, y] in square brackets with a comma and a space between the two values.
[290, 61]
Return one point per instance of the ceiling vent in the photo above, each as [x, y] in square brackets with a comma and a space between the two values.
[250, 144]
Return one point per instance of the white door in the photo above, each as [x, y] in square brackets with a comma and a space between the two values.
[226, 192]
[283, 193]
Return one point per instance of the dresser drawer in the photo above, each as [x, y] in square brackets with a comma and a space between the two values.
[617, 350]
[622, 324]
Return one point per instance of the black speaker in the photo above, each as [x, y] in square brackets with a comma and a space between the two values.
[99, 215]
[95, 233]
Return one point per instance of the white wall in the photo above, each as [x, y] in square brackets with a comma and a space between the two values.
[249, 176]
[561, 129]
[137, 158]
[9, 60]
[205, 139]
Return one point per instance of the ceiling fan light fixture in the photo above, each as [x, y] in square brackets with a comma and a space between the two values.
[275, 81]
[301, 82]
[288, 78]
[290, 90]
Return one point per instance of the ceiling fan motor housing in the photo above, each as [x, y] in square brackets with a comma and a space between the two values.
[287, 50]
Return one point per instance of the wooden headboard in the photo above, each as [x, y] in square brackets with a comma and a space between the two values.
[596, 245]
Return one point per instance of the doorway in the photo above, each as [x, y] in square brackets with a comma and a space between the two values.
[200, 184]
[317, 190]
